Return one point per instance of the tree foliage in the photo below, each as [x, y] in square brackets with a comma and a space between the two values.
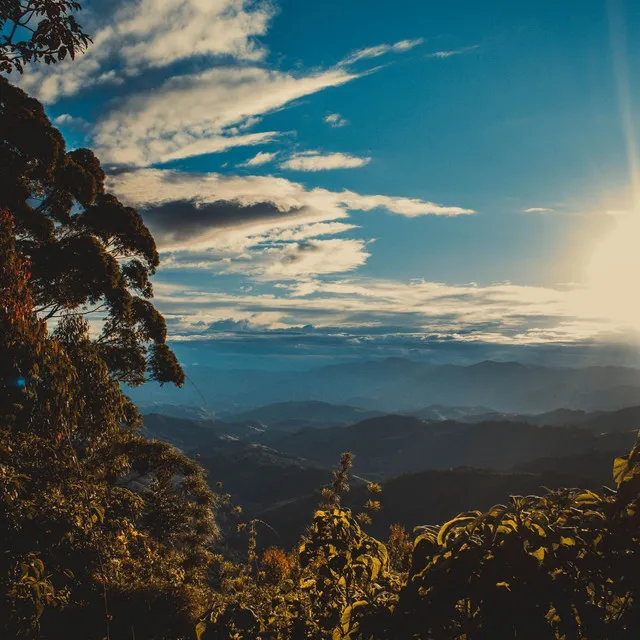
[98, 523]
[39, 31]
[87, 251]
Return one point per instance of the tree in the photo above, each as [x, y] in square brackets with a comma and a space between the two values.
[39, 30]
[87, 250]
[102, 531]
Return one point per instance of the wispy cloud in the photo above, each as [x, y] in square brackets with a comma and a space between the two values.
[154, 33]
[214, 85]
[262, 157]
[317, 161]
[375, 310]
[335, 120]
[189, 115]
[380, 50]
[453, 52]
[538, 210]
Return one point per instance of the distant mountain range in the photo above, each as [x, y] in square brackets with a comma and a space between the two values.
[276, 474]
[392, 445]
[402, 386]
[294, 416]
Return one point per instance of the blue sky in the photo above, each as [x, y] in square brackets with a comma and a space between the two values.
[383, 173]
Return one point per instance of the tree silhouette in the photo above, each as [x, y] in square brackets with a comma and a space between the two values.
[39, 30]
[87, 251]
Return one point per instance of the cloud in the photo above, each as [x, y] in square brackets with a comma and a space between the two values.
[293, 261]
[154, 33]
[381, 49]
[335, 120]
[409, 207]
[453, 52]
[501, 313]
[262, 157]
[188, 115]
[71, 122]
[317, 161]
[262, 227]
[538, 210]
[214, 84]
[196, 211]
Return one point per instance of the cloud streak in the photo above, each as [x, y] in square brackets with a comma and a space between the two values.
[317, 161]
[188, 115]
[336, 121]
[262, 157]
[453, 52]
[538, 210]
[381, 49]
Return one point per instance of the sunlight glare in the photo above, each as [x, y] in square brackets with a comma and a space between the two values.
[613, 272]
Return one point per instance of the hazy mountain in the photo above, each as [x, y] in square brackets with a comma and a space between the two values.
[191, 435]
[626, 419]
[439, 412]
[401, 386]
[392, 445]
[293, 416]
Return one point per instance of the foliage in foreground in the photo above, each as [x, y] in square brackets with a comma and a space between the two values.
[563, 565]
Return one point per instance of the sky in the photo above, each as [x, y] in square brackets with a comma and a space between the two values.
[333, 179]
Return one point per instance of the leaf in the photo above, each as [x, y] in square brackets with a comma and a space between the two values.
[503, 585]
[539, 553]
[446, 528]
[567, 542]
[201, 627]
[620, 469]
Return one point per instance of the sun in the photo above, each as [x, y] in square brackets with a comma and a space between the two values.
[613, 273]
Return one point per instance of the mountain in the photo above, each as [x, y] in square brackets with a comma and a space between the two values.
[257, 476]
[594, 466]
[253, 474]
[439, 412]
[400, 386]
[192, 435]
[293, 416]
[428, 497]
[430, 470]
[622, 420]
[627, 419]
[391, 445]
[176, 410]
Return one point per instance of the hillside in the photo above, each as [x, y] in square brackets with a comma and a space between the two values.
[428, 497]
[293, 416]
[391, 445]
